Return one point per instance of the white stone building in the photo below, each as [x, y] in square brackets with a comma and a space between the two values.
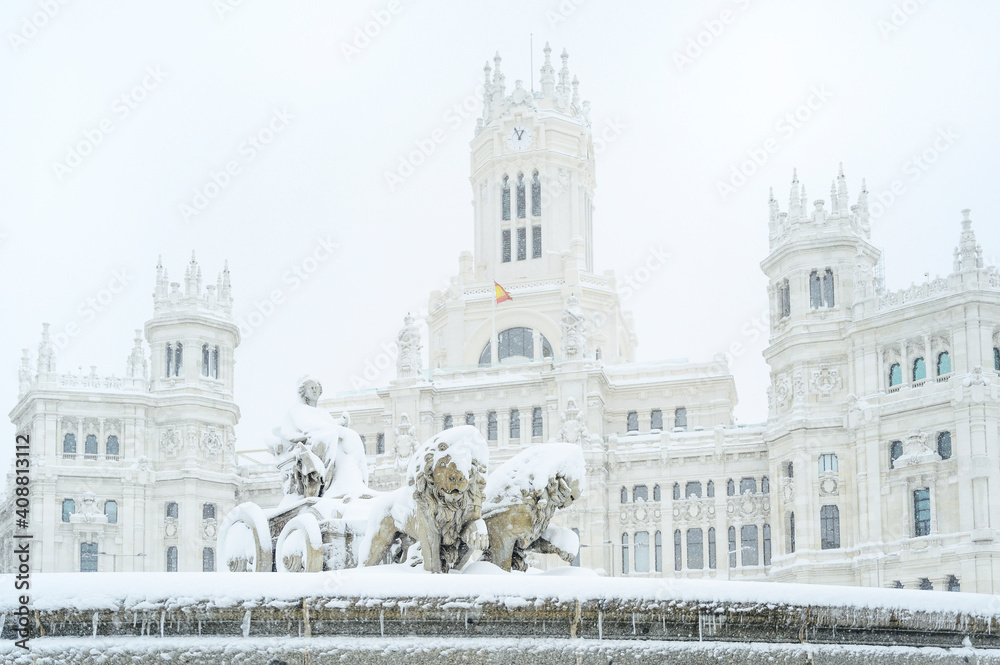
[879, 463]
[134, 473]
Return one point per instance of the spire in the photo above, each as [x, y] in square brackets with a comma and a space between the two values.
[136, 367]
[564, 72]
[794, 198]
[498, 80]
[576, 92]
[863, 209]
[970, 251]
[842, 195]
[487, 93]
[225, 293]
[547, 78]
[804, 202]
[834, 201]
[45, 362]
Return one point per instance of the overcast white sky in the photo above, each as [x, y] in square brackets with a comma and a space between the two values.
[882, 92]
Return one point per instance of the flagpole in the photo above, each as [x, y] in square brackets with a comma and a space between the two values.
[494, 350]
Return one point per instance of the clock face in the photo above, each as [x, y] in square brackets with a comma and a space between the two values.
[520, 138]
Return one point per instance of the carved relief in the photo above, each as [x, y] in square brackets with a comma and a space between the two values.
[209, 528]
[788, 489]
[170, 441]
[825, 380]
[211, 441]
[694, 509]
[915, 450]
[829, 484]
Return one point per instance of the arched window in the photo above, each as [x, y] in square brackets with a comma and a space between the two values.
[944, 445]
[536, 195]
[919, 369]
[681, 417]
[895, 452]
[749, 545]
[711, 548]
[895, 375]
[640, 492]
[546, 348]
[88, 557]
[656, 492]
[112, 449]
[208, 511]
[730, 488]
[632, 421]
[624, 495]
[624, 554]
[815, 290]
[68, 508]
[642, 551]
[521, 206]
[732, 547]
[767, 544]
[171, 559]
[536, 421]
[170, 360]
[944, 363]
[710, 489]
[658, 552]
[828, 288]
[695, 549]
[178, 359]
[208, 560]
[765, 485]
[447, 422]
[205, 359]
[505, 200]
[491, 425]
[692, 488]
[677, 491]
[829, 524]
[748, 485]
[678, 564]
[90, 445]
[953, 584]
[380, 444]
[828, 462]
[69, 443]
[515, 424]
[172, 509]
[111, 511]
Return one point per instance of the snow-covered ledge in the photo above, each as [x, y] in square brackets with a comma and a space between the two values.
[377, 610]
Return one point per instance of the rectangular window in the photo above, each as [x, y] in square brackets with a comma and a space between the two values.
[681, 417]
[536, 421]
[656, 419]
[749, 545]
[658, 552]
[786, 299]
[208, 511]
[829, 524]
[767, 544]
[171, 559]
[88, 557]
[208, 560]
[515, 424]
[172, 510]
[632, 421]
[536, 196]
[944, 445]
[711, 549]
[505, 200]
[505, 245]
[624, 554]
[678, 564]
[522, 244]
[815, 290]
[642, 552]
[111, 511]
[536, 242]
[521, 203]
[828, 288]
[491, 426]
[828, 462]
[447, 422]
[791, 533]
[732, 547]
[380, 444]
[921, 512]
[68, 508]
[695, 550]
[470, 419]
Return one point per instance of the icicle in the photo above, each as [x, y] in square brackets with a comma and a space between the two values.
[246, 624]
[94, 622]
[600, 624]
[381, 622]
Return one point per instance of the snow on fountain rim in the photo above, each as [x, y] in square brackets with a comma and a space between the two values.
[481, 583]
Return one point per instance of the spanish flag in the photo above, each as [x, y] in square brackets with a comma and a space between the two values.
[501, 293]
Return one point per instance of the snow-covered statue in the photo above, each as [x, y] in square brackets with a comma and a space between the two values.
[574, 333]
[523, 494]
[408, 360]
[440, 506]
[320, 456]
[572, 428]
[405, 436]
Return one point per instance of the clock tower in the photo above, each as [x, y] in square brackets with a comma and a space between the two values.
[532, 176]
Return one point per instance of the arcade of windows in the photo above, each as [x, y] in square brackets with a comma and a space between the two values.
[110, 510]
[492, 429]
[656, 420]
[521, 232]
[918, 369]
[112, 448]
[175, 360]
[514, 343]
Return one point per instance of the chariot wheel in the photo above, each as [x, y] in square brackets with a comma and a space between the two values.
[244, 541]
[300, 546]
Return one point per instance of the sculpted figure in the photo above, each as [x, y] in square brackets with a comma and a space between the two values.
[523, 494]
[440, 506]
[328, 457]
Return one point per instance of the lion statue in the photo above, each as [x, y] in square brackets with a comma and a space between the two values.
[440, 506]
[523, 494]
